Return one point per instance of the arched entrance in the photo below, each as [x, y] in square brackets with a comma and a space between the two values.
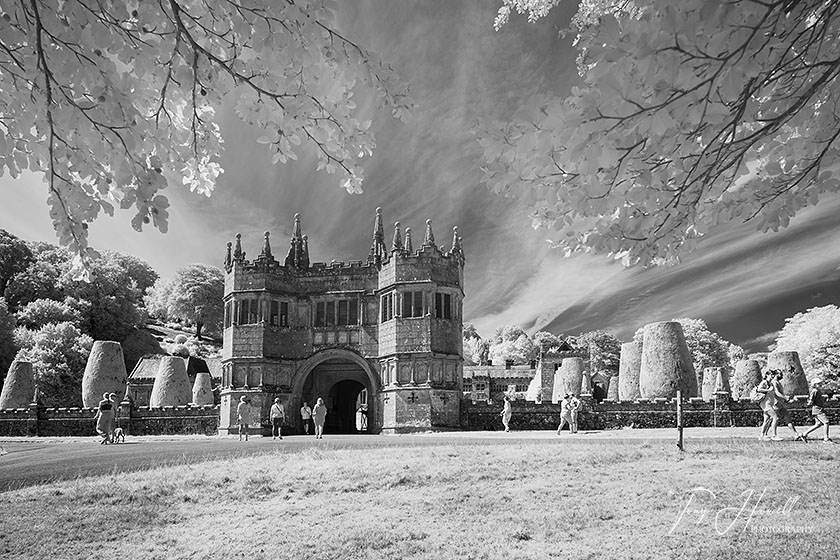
[344, 397]
[346, 382]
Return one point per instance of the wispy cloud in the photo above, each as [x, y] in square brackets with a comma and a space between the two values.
[741, 282]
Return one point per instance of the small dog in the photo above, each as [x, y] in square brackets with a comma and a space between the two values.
[119, 436]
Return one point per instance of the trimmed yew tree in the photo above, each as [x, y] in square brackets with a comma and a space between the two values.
[104, 373]
[666, 362]
[630, 367]
[19, 386]
[746, 376]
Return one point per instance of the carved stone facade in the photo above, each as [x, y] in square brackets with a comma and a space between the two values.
[384, 334]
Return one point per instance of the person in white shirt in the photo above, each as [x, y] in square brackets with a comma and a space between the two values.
[306, 416]
[278, 418]
[243, 414]
[574, 407]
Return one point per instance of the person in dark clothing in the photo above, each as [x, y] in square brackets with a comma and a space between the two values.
[816, 400]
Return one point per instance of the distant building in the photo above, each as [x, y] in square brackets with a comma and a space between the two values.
[483, 383]
[142, 377]
[384, 334]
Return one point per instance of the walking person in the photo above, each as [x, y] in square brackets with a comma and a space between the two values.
[782, 413]
[278, 418]
[816, 400]
[306, 417]
[565, 413]
[361, 418]
[507, 412]
[767, 402]
[319, 414]
[112, 398]
[574, 407]
[104, 419]
[243, 416]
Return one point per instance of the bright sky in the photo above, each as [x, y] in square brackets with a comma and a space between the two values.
[743, 283]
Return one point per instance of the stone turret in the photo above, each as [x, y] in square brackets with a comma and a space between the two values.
[19, 386]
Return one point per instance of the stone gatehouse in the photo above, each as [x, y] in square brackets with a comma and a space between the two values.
[384, 334]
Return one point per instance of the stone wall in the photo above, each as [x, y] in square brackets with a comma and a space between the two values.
[46, 422]
[610, 415]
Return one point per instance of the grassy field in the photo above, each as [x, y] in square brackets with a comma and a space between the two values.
[535, 500]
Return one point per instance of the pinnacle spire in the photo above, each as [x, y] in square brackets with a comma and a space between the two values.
[429, 238]
[228, 258]
[296, 233]
[290, 256]
[298, 256]
[397, 244]
[238, 253]
[266, 249]
[377, 248]
[457, 247]
[408, 248]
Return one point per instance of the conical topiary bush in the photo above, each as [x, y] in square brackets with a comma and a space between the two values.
[202, 391]
[172, 384]
[629, 366]
[19, 386]
[793, 377]
[666, 362]
[571, 373]
[612, 389]
[104, 373]
[557, 387]
[747, 375]
[722, 383]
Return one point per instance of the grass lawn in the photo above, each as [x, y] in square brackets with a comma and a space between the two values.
[549, 499]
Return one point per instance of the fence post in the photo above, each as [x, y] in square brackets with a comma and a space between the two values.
[679, 421]
[125, 415]
[32, 420]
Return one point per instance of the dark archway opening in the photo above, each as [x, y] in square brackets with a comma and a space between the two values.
[342, 418]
